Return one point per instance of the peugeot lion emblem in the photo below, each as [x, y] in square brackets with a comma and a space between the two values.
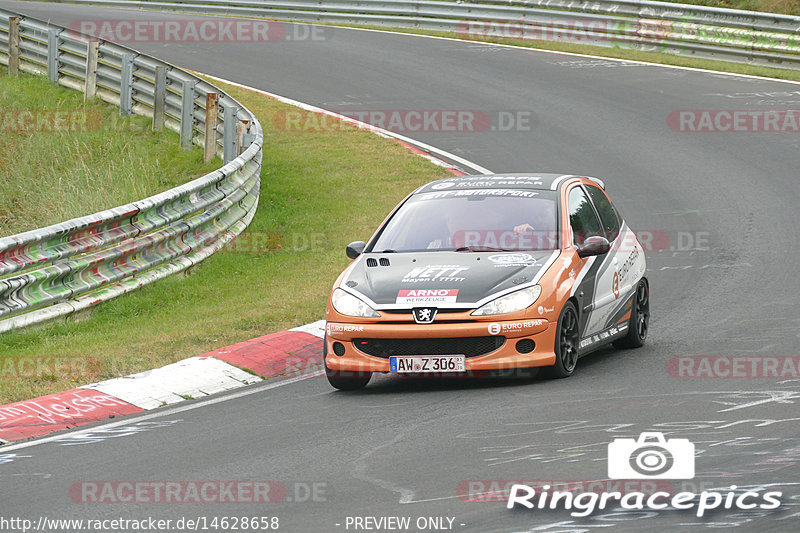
[424, 315]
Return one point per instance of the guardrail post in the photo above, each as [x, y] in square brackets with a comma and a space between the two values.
[13, 45]
[229, 152]
[53, 42]
[90, 89]
[126, 85]
[210, 149]
[187, 113]
[241, 131]
[160, 98]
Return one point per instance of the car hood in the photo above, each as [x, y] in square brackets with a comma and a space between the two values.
[442, 279]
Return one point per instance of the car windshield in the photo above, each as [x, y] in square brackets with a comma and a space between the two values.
[483, 220]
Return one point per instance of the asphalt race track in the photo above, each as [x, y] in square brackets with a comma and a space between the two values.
[725, 203]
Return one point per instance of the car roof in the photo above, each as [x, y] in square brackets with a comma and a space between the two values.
[532, 181]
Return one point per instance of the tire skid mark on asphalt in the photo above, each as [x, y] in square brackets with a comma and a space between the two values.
[360, 472]
[42, 475]
[103, 434]
[11, 457]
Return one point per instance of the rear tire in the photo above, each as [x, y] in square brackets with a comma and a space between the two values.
[343, 379]
[639, 323]
[567, 339]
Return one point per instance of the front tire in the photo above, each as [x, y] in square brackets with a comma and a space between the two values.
[639, 323]
[343, 379]
[566, 347]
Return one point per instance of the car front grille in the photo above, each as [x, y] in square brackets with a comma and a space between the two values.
[468, 346]
[408, 312]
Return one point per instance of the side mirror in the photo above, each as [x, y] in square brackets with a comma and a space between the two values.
[354, 249]
[594, 245]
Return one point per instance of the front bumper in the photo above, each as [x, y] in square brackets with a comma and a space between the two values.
[541, 331]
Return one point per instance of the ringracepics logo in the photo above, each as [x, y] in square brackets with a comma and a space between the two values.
[648, 457]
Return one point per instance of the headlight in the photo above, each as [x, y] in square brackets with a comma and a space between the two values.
[510, 303]
[347, 304]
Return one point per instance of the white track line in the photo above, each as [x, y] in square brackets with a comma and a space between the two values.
[132, 419]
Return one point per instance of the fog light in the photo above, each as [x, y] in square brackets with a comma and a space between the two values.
[338, 348]
[525, 346]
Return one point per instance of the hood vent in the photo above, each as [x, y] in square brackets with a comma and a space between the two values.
[372, 262]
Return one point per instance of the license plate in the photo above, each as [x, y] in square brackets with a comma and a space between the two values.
[427, 363]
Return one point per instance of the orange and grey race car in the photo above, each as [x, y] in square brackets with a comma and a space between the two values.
[488, 272]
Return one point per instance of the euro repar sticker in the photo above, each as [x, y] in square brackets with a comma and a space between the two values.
[343, 328]
[489, 181]
[427, 296]
[496, 328]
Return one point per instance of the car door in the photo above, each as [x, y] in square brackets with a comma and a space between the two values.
[594, 288]
[627, 262]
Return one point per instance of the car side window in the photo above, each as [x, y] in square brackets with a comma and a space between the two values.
[608, 215]
[582, 217]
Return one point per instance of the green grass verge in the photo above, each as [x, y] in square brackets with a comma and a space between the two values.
[320, 190]
[61, 158]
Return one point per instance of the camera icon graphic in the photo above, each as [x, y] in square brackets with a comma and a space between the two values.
[651, 457]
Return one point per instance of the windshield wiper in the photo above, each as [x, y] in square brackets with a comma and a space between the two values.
[478, 249]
